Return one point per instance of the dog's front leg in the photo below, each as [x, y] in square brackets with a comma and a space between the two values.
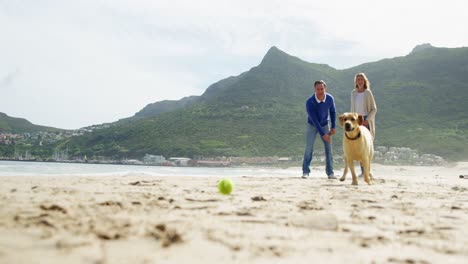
[345, 170]
[353, 173]
[367, 177]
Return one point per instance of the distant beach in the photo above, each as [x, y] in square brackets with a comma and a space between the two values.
[133, 214]
[25, 168]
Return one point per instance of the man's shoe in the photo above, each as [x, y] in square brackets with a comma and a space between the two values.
[332, 177]
[305, 175]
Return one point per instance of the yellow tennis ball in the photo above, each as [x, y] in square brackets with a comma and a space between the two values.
[225, 186]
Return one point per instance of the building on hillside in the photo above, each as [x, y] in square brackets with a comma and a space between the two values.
[154, 159]
[132, 162]
[180, 161]
[4, 139]
[7, 138]
[211, 163]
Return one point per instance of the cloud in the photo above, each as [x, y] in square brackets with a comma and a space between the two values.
[8, 79]
[94, 61]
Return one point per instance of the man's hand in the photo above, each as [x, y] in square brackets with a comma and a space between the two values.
[332, 131]
[327, 138]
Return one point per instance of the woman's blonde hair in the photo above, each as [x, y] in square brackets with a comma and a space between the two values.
[366, 81]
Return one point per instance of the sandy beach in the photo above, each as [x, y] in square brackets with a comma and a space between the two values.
[410, 215]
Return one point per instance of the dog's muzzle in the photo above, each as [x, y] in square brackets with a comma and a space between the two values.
[348, 127]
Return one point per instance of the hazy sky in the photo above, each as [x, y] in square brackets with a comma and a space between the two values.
[71, 64]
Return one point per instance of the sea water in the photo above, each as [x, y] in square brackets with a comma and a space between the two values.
[24, 168]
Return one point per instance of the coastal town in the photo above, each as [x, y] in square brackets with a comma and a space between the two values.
[383, 154]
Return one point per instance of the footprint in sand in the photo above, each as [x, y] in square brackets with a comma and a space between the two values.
[166, 235]
[53, 207]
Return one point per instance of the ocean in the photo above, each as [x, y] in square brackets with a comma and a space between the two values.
[23, 168]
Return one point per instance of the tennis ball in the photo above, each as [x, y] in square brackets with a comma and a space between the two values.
[225, 186]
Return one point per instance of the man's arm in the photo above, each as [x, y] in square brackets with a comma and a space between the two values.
[333, 114]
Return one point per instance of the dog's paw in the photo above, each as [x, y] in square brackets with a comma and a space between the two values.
[354, 183]
[342, 178]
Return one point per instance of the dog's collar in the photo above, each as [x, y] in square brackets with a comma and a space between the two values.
[354, 138]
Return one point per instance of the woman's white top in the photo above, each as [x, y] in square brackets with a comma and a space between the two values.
[359, 104]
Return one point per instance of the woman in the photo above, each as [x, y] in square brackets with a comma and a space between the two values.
[363, 103]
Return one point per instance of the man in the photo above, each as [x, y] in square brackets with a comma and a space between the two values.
[320, 110]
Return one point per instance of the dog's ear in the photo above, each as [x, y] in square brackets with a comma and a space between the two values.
[360, 120]
[341, 118]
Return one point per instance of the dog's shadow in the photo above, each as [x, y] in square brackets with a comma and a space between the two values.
[348, 184]
[332, 185]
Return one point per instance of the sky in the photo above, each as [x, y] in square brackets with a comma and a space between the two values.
[75, 63]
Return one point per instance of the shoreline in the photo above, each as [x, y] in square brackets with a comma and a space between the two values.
[276, 165]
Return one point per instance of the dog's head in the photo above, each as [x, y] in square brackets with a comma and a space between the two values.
[350, 121]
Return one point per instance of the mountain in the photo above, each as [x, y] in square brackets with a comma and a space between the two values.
[15, 125]
[161, 107]
[165, 106]
[422, 47]
[420, 98]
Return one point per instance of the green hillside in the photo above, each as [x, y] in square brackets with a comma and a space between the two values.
[420, 97]
[422, 100]
[15, 125]
[166, 106]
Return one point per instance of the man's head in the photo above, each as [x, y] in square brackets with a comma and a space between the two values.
[320, 89]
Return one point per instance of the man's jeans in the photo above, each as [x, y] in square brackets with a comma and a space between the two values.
[312, 132]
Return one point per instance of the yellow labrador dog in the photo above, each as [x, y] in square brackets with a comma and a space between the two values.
[358, 145]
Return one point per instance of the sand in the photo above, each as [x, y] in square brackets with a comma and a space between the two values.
[411, 215]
